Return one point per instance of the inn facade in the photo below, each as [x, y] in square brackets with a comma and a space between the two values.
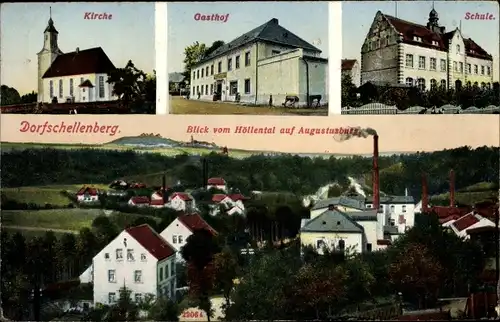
[396, 51]
[262, 67]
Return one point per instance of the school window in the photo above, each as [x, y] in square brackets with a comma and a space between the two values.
[482, 70]
[433, 86]
[138, 276]
[194, 74]
[455, 66]
[443, 65]
[421, 84]
[229, 64]
[233, 88]
[71, 87]
[212, 69]
[247, 59]
[160, 275]
[409, 81]
[198, 74]
[433, 63]
[219, 67]
[237, 62]
[443, 83]
[469, 69]
[421, 62]
[247, 86]
[475, 69]
[51, 89]
[101, 86]
[461, 67]
[206, 89]
[111, 276]
[409, 60]
[202, 72]
[488, 71]
[206, 71]
[61, 87]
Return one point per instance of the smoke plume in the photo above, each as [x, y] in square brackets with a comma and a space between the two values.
[355, 132]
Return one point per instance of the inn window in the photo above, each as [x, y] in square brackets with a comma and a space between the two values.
[247, 59]
[211, 89]
[237, 62]
[229, 64]
[433, 87]
[421, 62]
[111, 276]
[198, 74]
[219, 67]
[247, 86]
[130, 255]
[51, 89]
[101, 86]
[206, 71]
[461, 67]
[443, 65]
[409, 81]
[202, 72]
[488, 71]
[212, 69]
[482, 70]
[233, 88]
[475, 69]
[433, 64]
[138, 276]
[119, 254]
[421, 84]
[71, 87]
[409, 60]
[469, 69]
[60, 88]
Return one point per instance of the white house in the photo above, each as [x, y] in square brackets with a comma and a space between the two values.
[139, 201]
[139, 259]
[87, 194]
[399, 211]
[232, 204]
[181, 228]
[262, 66]
[469, 221]
[351, 67]
[78, 76]
[396, 51]
[181, 201]
[216, 183]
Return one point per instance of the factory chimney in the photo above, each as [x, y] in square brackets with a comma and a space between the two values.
[452, 188]
[375, 178]
[425, 194]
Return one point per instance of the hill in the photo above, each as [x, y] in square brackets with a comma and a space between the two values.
[152, 140]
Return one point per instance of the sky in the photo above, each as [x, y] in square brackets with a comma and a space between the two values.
[308, 20]
[357, 18]
[129, 35]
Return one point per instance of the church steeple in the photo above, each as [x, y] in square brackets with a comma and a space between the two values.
[433, 23]
[50, 24]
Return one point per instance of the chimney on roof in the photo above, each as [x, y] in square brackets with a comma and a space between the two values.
[274, 21]
[77, 50]
[425, 195]
[452, 188]
[375, 178]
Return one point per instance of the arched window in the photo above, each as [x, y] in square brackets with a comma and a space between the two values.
[488, 85]
[409, 81]
[443, 83]
[458, 49]
[476, 84]
[433, 84]
[341, 245]
[421, 84]
[469, 84]
[483, 85]
[458, 84]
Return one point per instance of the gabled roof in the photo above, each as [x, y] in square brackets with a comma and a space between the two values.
[157, 202]
[465, 222]
[87, 190]
[195, 222]
[409, 29]
[216, 182]
[218, 197]
[139, 200]
[366, 215]
[340, 201]
[81, 62]
[151, 241]
[332, 221]
[348, 64]
[270, 32]
[182, 195]
[237, 196]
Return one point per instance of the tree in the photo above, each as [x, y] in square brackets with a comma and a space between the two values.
[226, 270]
[125, 309]
[215, 45]
[348, 90]
[9, 95]
[29, 98]
[192, 55]
[164, 309]
[104, 230]
[416, 272]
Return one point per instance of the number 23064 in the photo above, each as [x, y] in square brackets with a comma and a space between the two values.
[192, 314]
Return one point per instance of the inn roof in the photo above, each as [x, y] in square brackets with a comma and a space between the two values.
[270, 32]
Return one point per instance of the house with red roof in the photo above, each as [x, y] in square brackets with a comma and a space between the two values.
[77, 76]
[397, 51]
[231, 203]
[181, 201]
[87, 194]
[468, 222]
[217, 183]
[139, 259]
[139, 201]
[182, 227]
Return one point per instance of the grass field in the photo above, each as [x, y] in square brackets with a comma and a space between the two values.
[179, 105]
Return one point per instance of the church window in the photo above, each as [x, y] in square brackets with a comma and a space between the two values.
[51, 89]
[71, 87]
[101, 86]
[60, 88]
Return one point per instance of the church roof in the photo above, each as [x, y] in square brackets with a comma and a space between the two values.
[408, 30]
[80, 62]
[270, 32]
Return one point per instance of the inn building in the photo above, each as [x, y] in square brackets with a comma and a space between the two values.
[262, 67]
[396, 51]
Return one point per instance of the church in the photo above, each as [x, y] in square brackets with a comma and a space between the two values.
[76, 77]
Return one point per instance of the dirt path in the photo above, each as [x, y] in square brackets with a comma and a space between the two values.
[56, 230]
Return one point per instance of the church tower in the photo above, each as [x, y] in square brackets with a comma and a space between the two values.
[48, 54]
